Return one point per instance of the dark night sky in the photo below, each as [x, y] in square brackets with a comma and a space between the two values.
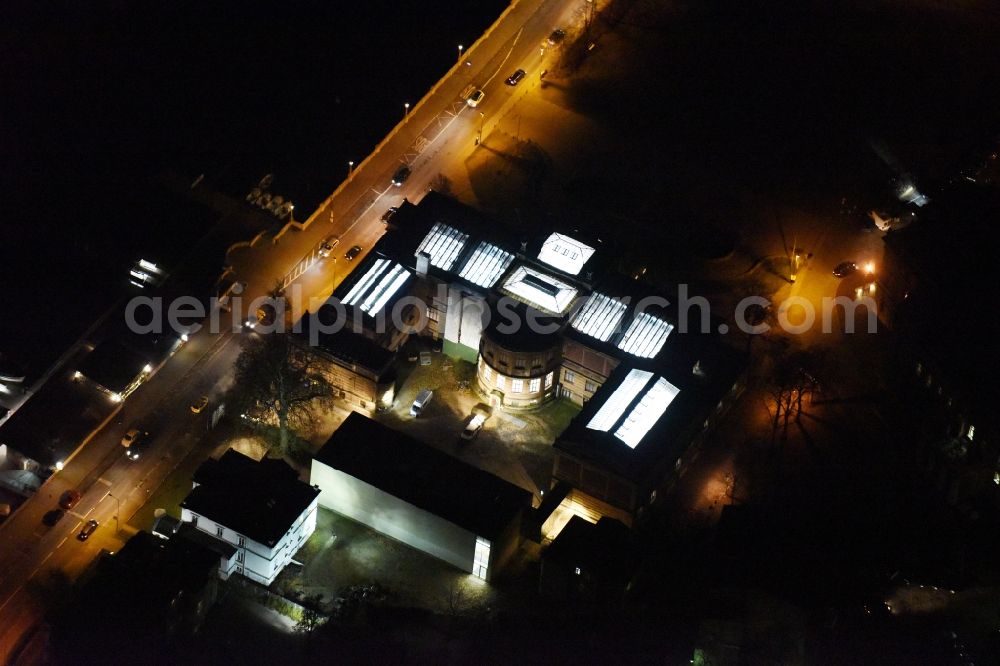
[100, 95]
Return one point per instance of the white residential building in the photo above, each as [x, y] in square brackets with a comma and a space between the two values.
[259, 513]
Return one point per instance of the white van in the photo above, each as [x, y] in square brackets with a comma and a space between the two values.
[418, 405]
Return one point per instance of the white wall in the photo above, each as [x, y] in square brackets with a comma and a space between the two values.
[260, 562]
[464, 316]
[391, 516]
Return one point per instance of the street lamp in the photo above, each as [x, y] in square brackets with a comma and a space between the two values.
[118, 510]
[350, 169]
[460, 47]
[479, 134]
[406, 109]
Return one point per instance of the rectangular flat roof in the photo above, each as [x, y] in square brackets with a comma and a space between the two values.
[260, 500]
[423, 476]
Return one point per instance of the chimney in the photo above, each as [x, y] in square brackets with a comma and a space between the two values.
[423, 264]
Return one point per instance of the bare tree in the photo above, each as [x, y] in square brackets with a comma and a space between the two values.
[276, 383]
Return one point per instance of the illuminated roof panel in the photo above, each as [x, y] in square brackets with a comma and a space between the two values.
[649, 410]
[540, 290]
[380, 283]
[486, 265]
[443, 244]
[616, 404]
[366, 281]
[645, 336]
[599, 317]
[630, 418]
[565, 253]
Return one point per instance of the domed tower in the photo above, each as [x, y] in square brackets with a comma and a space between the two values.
[518, 370]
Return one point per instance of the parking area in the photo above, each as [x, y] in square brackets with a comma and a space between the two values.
[516, 447]
[342, 553]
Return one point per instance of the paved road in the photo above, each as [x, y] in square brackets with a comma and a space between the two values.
[437, 133]
[440, 130]
[33, 553]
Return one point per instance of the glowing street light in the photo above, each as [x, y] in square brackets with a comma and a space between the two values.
[870, 267]
[406, 109]
[460, 47]
[118, 510]
[350, 169]
[59, 465]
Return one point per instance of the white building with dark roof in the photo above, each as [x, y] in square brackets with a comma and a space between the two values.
[259, 514]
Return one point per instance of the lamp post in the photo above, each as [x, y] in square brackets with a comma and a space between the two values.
[350, 169]
[460, 47]
[406, 109]
[118, 510]
[479, 134]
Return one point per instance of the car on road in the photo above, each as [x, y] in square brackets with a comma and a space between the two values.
[326, 247]
[556, 36]
[138, 447]
[845, 268]
[473, 427]
[130, 436]
[198, 405]
[89, 528]
[53, 517]
[387, 215]
[402, 173]
[476, 98]
[516, 77]
[69, 499]
[353, 253]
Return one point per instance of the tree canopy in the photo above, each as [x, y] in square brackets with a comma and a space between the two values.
[277, 385]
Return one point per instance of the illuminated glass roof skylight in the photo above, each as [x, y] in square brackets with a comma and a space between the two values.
[599, 317]
[443, 244]
[565, 253]
[486, 265]
[645, 336]
[649, 410]
[540, 290]
[377, 286]
[632, 419]
[616, 404]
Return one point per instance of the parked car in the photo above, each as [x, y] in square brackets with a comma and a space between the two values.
[69, 499]
[473, 427]
[89, 528]
[387, 215]
[198, 405]
[845, 268]
[326, 247]
[53, 517]
[402, 173]
[516, 77]
[423, 398]
[353, 253]
[476, 98]
[556, 36]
